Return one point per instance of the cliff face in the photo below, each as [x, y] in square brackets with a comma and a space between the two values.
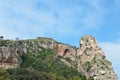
[92, 60]
[88, 59]
[10, 56]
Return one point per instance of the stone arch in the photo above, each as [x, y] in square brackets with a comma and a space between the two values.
[66, 51]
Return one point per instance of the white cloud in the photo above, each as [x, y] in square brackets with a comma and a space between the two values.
[112, 52]
[24, 19]
[95, 16]
[47, 17]
[111, 49]
[8, 33]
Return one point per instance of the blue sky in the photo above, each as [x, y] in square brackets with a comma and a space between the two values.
[65, 21]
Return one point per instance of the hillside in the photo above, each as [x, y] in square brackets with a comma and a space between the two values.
[48, 59]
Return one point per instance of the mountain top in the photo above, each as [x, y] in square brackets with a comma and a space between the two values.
[89, 59]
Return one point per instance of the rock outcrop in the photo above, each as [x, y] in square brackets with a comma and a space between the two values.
[10, 54]
[92, 62]
[89, 59]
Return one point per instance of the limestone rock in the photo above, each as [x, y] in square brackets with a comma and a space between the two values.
[65, 51]
[92, 60]
[89, 59]
[9, 57]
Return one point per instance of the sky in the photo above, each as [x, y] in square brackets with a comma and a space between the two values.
[65, 21]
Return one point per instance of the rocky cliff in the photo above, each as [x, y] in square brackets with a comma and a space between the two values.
[92, 62]
[89, 59]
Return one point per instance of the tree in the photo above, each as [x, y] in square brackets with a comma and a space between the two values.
[17, 39]
[1, 37]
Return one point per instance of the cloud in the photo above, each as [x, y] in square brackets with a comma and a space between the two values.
[95, 14]
[31, 18]
[112, 53]
[23, 20]
[8, 33]
[111, 50]
[64, 18]
[61, 19]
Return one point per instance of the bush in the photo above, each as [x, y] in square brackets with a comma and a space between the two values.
[28, 74]
[42, 66]
[4, 75]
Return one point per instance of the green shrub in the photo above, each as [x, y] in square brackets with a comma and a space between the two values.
[43, 66]
[28, 74]
[4, 75]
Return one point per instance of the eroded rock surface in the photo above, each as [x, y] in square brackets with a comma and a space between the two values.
[92, 61]
[10, 56]
[89, 59]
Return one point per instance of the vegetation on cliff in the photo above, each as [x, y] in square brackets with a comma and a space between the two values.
[47, 59]
[41, 66]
